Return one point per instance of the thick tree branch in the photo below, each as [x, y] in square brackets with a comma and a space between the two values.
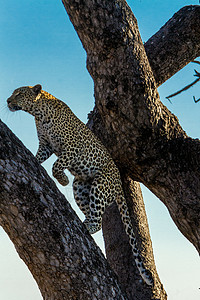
[176, 44]
[48, 236]
[142, 135]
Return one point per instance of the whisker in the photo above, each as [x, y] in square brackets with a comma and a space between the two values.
[6, 114]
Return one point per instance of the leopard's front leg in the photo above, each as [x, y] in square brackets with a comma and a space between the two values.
[45, 149]
[58, 169]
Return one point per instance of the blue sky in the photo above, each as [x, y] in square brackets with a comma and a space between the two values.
[39, 45]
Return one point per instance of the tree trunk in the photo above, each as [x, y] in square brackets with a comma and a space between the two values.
[144, 138]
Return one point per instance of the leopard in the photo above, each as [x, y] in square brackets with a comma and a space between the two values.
[97, 181]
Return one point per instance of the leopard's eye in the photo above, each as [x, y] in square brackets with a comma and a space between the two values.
[17, 94]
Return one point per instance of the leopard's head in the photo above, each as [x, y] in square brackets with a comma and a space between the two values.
[24, 98]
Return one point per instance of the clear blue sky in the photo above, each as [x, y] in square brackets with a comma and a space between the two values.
[39, 45]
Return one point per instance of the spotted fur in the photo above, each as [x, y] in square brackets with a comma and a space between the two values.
[97, 180]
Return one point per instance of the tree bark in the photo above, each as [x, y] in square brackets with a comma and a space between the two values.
[47, 234]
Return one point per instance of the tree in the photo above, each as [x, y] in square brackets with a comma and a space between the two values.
[143, 137]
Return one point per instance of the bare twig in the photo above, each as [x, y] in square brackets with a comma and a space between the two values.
[196, 100]
[197, 74]
[184, 89]
[196, 61]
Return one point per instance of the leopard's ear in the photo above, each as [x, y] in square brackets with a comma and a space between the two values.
[37, 89]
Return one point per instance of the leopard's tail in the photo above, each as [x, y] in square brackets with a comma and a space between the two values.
[124, 213]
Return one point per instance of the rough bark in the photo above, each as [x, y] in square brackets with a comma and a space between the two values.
[176, 44]
[144, 138]
[48, 236]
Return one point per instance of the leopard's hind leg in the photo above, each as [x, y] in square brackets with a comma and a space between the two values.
[100, 196]
[84, 195]
[81, 190]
